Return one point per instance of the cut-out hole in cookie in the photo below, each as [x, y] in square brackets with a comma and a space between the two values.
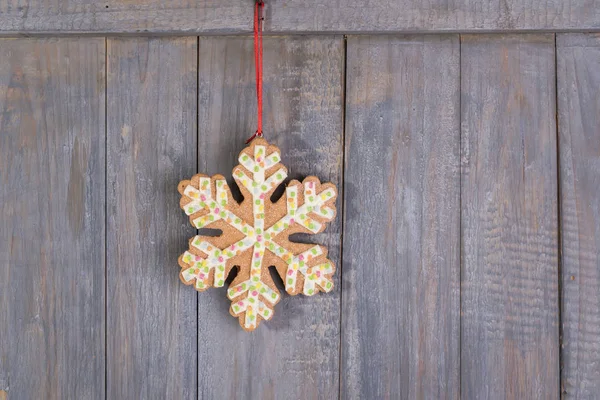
[232, 274]
[278, 192]
[236, 193]
[210, 232]
[277, 279]
[302, 238]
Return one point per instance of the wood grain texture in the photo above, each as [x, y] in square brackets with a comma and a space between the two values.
[400, 299]
[133, 16]
[151, 317]
[431, 16]
[296, 353]
[579, 138]
[234, 16]
[52, 205]
[509, 296]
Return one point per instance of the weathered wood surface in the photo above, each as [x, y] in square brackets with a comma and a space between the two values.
[509, 228]
[52, 207]
[409, 214]
[349, 16]
[579, 139]
[151, 316]
[295, 354]
[401, 276]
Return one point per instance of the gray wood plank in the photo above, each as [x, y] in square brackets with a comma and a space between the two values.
[233, 16]
[296, 353]
[52, 191]
[133, 16]
[578, 59]
[151, 317]
[509, 287]
[401, 282]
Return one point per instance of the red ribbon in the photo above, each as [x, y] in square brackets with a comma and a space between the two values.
[258, 65]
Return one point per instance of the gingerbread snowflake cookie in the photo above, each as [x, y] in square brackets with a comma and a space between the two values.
[255, 234]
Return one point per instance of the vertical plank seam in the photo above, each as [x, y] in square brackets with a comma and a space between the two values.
[559, 229]
[460, 236]
[105, 218]
[197, 169]
[343, 202]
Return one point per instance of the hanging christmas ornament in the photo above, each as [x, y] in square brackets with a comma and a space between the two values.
[255, 232]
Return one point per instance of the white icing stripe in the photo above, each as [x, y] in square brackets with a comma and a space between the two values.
[253, 293]
[217, 212]
[238, 223]
[201, 222]
[272, 159]
[252, 307]
[242, 305]
[256, 291]
[242, 179]
[275, 179]
[191, 192]
[188, 274]
[246, 161]
[215, 259]
[310, 224]
[199, 270]
[203, 200]
[326, 195]
[316, 276]
[268, 294]
[221, 193]
[265, 310]
[259, 164]
[196, 204]
[325, 212]
[258, 209]
[280, 252]
[292, 199]
[299, 263]
[200, 245]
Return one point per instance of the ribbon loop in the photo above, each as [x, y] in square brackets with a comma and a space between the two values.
[258, 65]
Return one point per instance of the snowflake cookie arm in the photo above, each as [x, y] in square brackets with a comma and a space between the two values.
[205, 264]
[205, 201]
[259, 171]
[252, 300]
[310, 205]
[308, 272]
[253, 293]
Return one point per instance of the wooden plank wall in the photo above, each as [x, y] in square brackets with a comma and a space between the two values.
[579, 145]
[296, 354]
[401, 272]
[186, 17]
[151, 144]
[509, 218]
[467, 239]
[52, 236]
